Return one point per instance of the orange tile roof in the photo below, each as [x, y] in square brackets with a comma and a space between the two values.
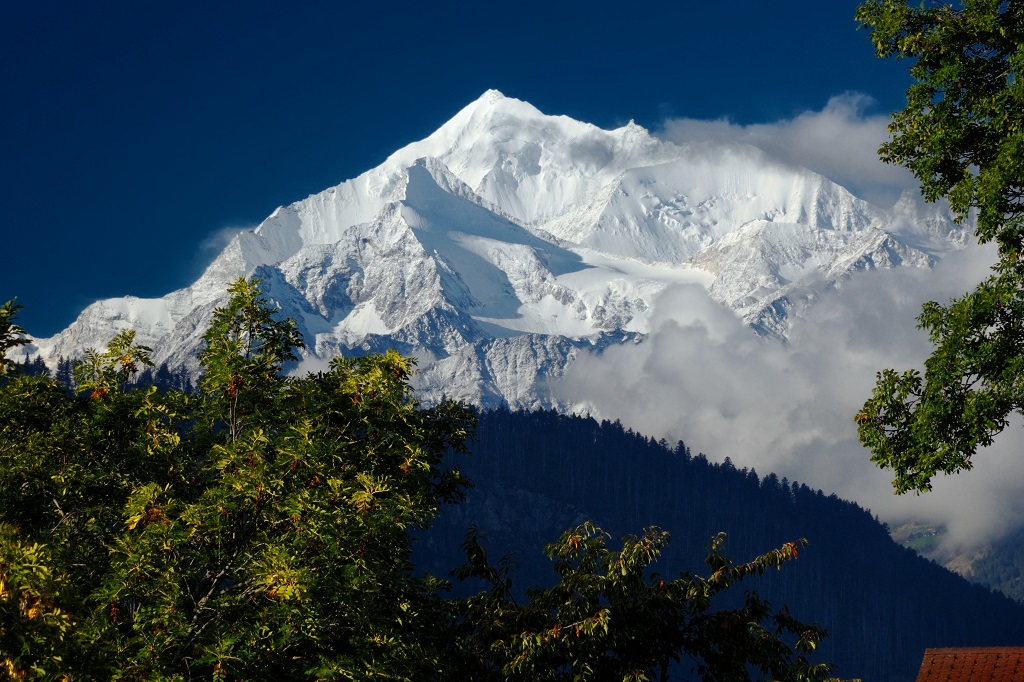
[973, 664]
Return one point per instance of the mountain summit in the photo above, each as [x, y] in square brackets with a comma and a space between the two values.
[502, 244]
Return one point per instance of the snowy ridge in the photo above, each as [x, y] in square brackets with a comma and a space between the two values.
[501, 245]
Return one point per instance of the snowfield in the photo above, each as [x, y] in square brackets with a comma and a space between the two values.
[500, 246]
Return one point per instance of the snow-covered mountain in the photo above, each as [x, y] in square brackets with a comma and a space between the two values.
[498, 247]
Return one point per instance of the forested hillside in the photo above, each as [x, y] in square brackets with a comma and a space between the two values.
[538, 473]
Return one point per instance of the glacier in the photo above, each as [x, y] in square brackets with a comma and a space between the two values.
[509, 241]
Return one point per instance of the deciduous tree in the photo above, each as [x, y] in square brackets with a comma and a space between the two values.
[962, 135]
[261, 529]
[609, 619]
[258, 530]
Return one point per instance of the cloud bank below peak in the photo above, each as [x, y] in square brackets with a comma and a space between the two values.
[704, 378]
[840, 141]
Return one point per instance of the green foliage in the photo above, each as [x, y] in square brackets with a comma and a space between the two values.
[32, 628]
[261, 530]
[962, 135]
[99, 373]
[244, 350]
[920, 425]
[11, 334]
[607, 619]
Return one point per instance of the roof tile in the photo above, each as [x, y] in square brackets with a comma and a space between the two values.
[973, 664]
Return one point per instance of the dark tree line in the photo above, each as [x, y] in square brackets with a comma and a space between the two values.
[881, 603]
[163, 377]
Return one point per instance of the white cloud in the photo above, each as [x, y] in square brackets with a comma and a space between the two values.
[310, 364]
[840, 142]
[704, 378]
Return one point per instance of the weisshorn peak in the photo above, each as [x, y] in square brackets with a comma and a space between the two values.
[508, 241]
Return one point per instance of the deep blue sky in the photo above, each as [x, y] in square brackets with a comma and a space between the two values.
[132, 132]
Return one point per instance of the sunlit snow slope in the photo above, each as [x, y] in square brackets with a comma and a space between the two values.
[506, 241]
